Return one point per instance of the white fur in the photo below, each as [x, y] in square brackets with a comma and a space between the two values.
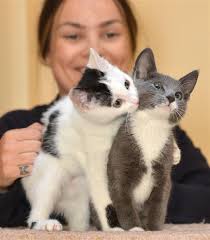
[112, 73]
[83, 139]
[151, 130]
[136, 229]
[84, 147]
[49, 225]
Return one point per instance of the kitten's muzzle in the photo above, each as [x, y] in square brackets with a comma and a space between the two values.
[129, 99]
[168, 106]
[135, 102]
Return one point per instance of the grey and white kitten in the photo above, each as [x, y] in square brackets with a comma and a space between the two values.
[141, 157]
[70, 169]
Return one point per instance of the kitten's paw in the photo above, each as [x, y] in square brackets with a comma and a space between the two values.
[115, 229]
[136, 229]
[47, 225]
[176, 155]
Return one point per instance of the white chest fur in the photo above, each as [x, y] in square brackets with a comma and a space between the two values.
[84, 142]
[143, 189]
[151, 136]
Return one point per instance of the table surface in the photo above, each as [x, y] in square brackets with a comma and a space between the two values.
[170, 232]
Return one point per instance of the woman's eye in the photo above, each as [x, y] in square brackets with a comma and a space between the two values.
[178, 95]
[72, 36]
[127, 84]
[157, 85]
[111, 35]
[118, 103]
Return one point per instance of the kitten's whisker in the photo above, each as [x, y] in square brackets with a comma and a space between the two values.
[181, 110]
[178, 115]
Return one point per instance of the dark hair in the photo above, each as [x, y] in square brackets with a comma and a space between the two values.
[49, 10]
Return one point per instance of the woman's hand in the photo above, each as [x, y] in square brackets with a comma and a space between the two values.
[18, 150]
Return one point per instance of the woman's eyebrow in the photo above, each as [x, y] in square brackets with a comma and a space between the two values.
[71, 24]
[110, 22]
[80, 26]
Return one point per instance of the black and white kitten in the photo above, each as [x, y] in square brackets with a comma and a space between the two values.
[79, 129]
[141, 156]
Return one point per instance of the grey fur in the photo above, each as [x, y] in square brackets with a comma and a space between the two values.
[127, 166]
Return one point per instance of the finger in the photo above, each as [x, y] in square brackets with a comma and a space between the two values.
[28, 146]
[29, 134]
[23, 134]
[27, 158]
[37, 126]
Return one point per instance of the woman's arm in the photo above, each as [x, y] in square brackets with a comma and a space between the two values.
[193, 167]
[14, 207]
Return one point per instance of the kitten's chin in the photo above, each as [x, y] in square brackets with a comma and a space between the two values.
[164, 108]
[133, 108]
[170, 108]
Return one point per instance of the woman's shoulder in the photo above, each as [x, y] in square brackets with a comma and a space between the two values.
[21, 118]
[181, 136]
[33, 113]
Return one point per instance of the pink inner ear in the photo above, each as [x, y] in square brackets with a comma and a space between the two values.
[79, 99]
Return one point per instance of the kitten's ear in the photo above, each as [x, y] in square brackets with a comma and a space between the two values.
[188, 82]
[97, 62]
[78, 98]
[144, 65]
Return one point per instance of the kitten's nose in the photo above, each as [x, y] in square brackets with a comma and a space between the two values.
[170, 99]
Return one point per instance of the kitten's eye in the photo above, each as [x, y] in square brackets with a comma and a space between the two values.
[157, 85]
[118, 103]
[127, 84]
[178, 95]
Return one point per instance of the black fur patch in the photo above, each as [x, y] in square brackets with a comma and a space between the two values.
[48, 142]
[32, 225]
[111, 216]
[90, 83]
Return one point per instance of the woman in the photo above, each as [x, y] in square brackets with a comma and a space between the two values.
[67, 29]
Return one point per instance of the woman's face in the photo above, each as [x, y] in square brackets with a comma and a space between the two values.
[83, 24]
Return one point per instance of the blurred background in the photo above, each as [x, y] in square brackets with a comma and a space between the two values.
[178, 31]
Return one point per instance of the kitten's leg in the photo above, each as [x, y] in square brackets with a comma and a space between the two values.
[157, 206]
[98, 182]
[98, 185]
[76, 204]
[176, 153]
[46, 191]
[127, 213]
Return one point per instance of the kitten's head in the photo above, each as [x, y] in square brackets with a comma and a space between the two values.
[161, 95]
[104, 92]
